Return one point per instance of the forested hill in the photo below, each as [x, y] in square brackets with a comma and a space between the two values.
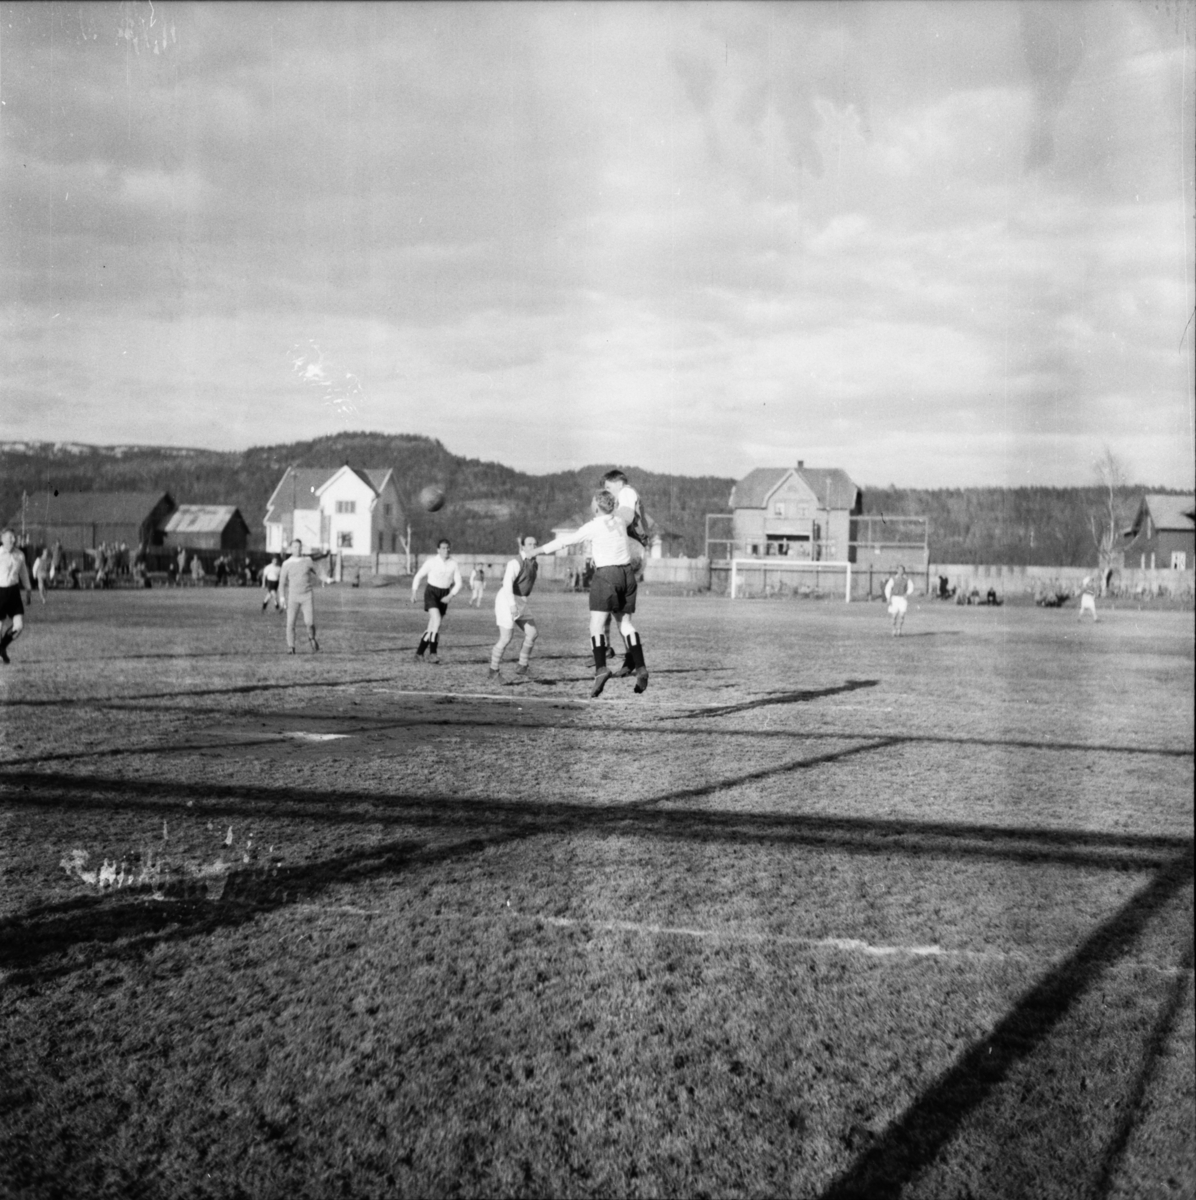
[489, 504]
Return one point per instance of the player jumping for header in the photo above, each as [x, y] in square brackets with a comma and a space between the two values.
[443, 583]
[510, 608]
[631, 512]
[14, 575]
[897, 591]
[612, 590]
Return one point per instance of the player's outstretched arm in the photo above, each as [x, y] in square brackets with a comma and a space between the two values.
[457, 585]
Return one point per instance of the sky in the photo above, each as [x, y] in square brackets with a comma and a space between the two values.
[936, 245]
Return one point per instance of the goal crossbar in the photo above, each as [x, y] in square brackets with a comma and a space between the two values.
[801, 567]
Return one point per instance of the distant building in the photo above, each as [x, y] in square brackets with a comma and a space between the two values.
[1163, 534]
[800, 512]
[84, 520]
[207, 527]
[357, 512]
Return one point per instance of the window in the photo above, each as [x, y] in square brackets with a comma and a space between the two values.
[803, 510]
[344, 539]
[1179, 560]
[778, 508]
[387, 510]
[346, 506]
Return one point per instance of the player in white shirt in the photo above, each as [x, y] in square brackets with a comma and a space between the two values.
[612, 590]
[271, 573]
[14, 575]
[631, 511]
[443, 578]
[897, 591]
[510, 607]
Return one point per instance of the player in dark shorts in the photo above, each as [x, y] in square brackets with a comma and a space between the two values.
[443, 582]
[14, 577]
[612, 589]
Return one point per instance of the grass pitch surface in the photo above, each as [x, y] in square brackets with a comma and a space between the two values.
[823, 913]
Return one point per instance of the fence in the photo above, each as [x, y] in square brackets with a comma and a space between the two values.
[1034, 581]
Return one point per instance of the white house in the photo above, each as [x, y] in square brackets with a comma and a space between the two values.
[357, 512]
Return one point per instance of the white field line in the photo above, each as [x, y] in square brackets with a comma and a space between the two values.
[834, 944]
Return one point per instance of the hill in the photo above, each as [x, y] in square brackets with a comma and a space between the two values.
[491, 504]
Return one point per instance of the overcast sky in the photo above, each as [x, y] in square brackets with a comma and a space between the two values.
[933, 244]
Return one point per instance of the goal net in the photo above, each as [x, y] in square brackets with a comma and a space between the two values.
[760, 577]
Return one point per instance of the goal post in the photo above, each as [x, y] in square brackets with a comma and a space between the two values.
[790, 577]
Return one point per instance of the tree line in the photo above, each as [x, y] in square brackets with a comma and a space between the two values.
[490, 505]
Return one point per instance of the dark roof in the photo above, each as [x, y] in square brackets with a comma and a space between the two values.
[1171, 512]
[309, 480]
[301, 483]
[831, 486]
[92, 508]
[203, 518]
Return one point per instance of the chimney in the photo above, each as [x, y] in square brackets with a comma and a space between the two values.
[801, 462]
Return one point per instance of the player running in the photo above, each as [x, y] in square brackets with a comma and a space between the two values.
[510, 608]
[295, 581]
[271, 573]
[477, 586]
[14, 575]
[443, 583]
[898, 589]
[612, 590]
[1087, 599]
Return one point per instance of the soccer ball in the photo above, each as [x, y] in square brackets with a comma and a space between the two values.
[432, 497]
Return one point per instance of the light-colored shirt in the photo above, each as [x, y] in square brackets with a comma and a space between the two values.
[13, 570]
[296, 577]
[271, 572]
[607, 537]
[440, 573]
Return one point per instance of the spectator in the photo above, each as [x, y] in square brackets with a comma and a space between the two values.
[197, 571]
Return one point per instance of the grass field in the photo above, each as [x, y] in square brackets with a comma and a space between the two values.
[824, 913]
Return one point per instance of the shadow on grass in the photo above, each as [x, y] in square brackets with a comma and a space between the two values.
[802, 696]
[912, 1142]
[477, 824]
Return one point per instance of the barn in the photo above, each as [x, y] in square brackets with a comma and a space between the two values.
[207, 527]
[1163, 534]
[83, 520]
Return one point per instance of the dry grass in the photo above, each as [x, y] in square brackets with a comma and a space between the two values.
[824, 913]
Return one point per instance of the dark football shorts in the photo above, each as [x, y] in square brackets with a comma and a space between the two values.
[10, 602]
[434, 598]
[271, 585]
[613, 590]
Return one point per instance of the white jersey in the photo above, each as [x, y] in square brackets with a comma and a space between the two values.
[607, 537]
[439, 572]
[13, 570]
[271, 572]
[628, 497]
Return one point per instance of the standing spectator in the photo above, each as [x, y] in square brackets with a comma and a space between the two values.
[172, 571]
[477, 586]
[197, 571]
[222, 572]
[55, 562]
[182, 564]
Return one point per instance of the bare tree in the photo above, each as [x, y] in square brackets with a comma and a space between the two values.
[1108, 523]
